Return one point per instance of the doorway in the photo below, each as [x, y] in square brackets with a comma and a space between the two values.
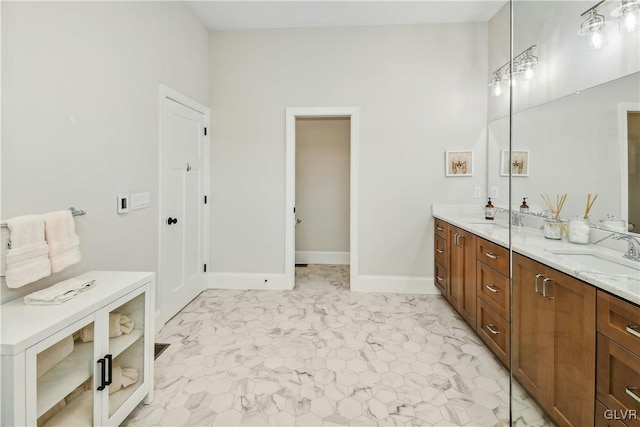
[184, 171]
[343, 113]
[322, 190]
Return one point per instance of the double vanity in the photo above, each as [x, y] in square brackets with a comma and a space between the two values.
[568, 327]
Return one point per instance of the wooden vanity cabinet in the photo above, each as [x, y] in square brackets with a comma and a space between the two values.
[441, 256]
[553, 341]
[618, 361]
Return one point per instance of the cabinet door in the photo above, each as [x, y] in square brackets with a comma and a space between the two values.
[127, 352]
[531, 323]
[60, 373]
[462, 273]
[574, 346]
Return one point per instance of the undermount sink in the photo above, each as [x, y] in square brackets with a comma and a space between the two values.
[592, 263]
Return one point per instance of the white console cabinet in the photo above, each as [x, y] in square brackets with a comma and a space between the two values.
[55, 371]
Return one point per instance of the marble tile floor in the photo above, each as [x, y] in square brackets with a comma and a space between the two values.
[320, 355]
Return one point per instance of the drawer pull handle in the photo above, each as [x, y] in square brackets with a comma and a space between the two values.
[536, 287]
[631, 392]
[491, 255]
[440, 278]
[489, 327]
[439, 228]
[440, 251]
[492, 288]
[544, 288]
[633, 330]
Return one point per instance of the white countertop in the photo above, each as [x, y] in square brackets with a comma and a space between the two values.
[557, 254]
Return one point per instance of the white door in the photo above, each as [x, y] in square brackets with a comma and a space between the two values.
[182, 267]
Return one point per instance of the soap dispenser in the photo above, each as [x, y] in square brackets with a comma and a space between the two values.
[489, 210]
[524, 208]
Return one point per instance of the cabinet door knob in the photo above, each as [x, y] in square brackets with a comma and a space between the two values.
[538, 276]
[103, 374]
[633, 330]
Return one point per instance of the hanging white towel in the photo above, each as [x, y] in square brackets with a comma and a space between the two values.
[64, 244]
[27, 260]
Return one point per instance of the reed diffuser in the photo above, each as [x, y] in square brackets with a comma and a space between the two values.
[553, 226]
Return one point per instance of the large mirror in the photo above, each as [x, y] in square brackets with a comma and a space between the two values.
[586, 142]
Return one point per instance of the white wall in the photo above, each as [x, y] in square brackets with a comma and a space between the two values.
[421, 90]
[80, 116]
[322, 184]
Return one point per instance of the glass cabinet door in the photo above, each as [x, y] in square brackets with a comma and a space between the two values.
[64, 378]
[125, 352]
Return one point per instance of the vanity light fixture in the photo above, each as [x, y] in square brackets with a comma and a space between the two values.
[629, 14]
[523, 65]
[593, 27]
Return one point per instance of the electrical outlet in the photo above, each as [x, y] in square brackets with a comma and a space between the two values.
[494, 192]
[477, 192]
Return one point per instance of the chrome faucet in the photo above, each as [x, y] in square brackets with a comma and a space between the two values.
[633, 251]
[516, 219]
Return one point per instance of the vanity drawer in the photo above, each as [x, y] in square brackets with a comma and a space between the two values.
[493, 330]
[493, 255]
[441, 279]
[440, 228]
[493, 288]
[606, 417]
[618, 379]
[440, 251]
[620, 321]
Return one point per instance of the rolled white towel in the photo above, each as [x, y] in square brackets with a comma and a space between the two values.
[58, 293]
[55, 354]
[118, 324]
[64, 244]
[27, 259]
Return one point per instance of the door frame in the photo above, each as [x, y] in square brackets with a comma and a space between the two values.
[353, 113]
[623, 138]
[165, 93]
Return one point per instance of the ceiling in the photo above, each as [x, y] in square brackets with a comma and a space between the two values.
[243, 15]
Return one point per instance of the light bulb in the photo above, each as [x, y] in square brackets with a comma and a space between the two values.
[630, 23]
[497, 90]
[528, 73]
[595, 40]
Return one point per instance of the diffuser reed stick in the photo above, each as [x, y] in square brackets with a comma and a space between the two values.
[590, 203]
[557, 208]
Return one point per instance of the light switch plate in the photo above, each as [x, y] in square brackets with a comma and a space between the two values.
[123, 203]
[494, 192]
[477, 192]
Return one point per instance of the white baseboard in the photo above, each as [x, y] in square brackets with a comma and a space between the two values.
[322, 257]
[265, 281]
[396, 285]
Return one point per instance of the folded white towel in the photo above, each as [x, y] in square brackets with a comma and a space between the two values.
[54, 355]
[122, 378]
[64, 244]
[59, 293]
[27, 260]
[78, 412]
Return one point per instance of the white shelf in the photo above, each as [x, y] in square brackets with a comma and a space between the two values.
[75, 369]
